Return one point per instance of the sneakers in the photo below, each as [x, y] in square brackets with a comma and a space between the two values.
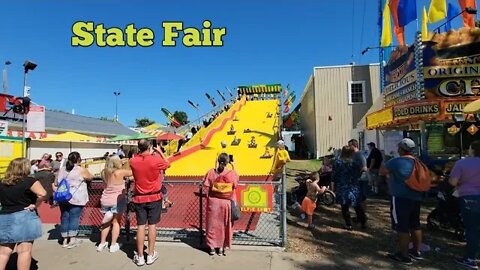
[139, 261]
[102, 246]
[114, 248]
[75, 243]
[400, 258]
[416, 255]
[468, 263]
[152, 258]
[311, 226]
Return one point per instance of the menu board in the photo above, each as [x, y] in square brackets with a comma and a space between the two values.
[435, 140]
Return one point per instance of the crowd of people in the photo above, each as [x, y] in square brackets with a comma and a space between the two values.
[354, 177]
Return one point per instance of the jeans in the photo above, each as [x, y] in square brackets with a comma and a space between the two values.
[470, 206]
[70, 219]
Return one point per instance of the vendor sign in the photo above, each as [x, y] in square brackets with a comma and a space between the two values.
[400, 77]
[414, 110]
[451, 64]
[255, 198]
[454, 107]
[380, 118]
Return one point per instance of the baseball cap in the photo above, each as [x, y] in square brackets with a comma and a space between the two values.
[280, 142]
[407, 145]
[371, 144]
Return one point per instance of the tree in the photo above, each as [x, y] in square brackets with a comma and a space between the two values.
[143, 122]
[181, 117]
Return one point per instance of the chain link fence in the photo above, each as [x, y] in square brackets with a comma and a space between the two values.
[185, 220]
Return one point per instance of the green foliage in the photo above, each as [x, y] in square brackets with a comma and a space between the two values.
[181, 116]
[143, 122]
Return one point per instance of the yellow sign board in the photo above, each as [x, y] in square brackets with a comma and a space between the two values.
[380, 118]
[256, 198]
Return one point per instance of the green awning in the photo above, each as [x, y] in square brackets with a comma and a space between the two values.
[260, 89]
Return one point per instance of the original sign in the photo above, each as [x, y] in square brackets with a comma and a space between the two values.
[416, 110]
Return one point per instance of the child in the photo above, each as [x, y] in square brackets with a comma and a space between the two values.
[113, 201]
[166, 201]
[309, 203]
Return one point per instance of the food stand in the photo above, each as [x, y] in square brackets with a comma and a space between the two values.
[427, 85]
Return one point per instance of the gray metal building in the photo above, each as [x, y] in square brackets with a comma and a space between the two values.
[334, 100]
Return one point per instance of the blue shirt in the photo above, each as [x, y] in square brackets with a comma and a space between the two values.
[400, 170]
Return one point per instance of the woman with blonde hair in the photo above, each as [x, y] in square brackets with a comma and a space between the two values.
[221, 183]
[20, 225]
[113, 201]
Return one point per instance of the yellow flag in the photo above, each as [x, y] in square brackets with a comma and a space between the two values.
[437, 10]
[386, 27]
[424, 25]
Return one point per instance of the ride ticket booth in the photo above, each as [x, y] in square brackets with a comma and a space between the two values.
[426, 87]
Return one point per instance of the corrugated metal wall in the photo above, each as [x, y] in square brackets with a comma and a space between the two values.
[307, 111]
[331, 102]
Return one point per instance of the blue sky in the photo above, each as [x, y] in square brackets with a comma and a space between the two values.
[267, 42]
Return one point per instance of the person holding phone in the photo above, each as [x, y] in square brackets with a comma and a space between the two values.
[148, 169]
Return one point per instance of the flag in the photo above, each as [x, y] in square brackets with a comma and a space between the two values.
[437, 10]
[193, 105]
[221, 95]
[174, 122]
[5, 81]
[452, 11]
[212, 100]
[399, 31]
[286, 109]
[468, 19]
[288, 122]
[386, 39]
[229, 91]
[289, 101]
[424, 25]
[407, 12]
[285, 91]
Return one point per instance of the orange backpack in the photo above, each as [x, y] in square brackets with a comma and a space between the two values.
[420, 179]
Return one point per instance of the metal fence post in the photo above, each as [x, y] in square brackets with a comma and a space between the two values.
[283, 210]
[200, 192]
[127, 215]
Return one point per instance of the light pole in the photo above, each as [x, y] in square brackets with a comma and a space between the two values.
[27, 66]
[116, 105]
[5, 80]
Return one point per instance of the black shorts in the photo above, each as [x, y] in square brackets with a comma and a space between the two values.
[405, 214]
[148, 212]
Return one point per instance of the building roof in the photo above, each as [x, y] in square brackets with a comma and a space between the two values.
[62, 121]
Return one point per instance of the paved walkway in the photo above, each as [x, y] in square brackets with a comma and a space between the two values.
[48, 254]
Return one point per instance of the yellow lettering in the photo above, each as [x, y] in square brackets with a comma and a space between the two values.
[145, 37]
[207, 33]
[100, 31]
[115, 37]
[82, 37]
[218, 33]
[130, 30]
[170, 32]
[191, 37]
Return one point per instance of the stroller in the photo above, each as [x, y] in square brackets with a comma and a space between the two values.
[299, 192]
[447, 213]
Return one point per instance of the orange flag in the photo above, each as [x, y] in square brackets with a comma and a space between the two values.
[399, 31]
[468, 19]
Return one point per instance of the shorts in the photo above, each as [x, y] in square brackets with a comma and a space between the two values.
[21, 226]
[405, 214]
[308, 206]
[148, 212]
[115, 209]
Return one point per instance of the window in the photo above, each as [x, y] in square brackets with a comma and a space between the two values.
[356, 92]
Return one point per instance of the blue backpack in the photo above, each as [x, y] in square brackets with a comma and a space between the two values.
[63, 194]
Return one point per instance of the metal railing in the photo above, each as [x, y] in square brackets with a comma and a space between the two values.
[186, 219]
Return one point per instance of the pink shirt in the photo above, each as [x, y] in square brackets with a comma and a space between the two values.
[111, 193]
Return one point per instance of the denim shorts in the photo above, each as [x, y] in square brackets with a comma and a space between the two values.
[21, 226]
[115, 209]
